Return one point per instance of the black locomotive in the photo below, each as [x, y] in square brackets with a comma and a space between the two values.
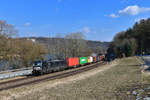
[43, 67]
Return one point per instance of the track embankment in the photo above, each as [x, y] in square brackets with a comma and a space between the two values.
[35, 91]
[112, 81]
[34, 80]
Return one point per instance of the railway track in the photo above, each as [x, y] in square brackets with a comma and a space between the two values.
[34, 80]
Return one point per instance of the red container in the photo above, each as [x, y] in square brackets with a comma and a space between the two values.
[95, 59]
[73, 62]
[100, 58]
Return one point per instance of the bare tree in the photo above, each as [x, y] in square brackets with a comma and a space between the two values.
[7, 30]
[76, 45]
[14, 50]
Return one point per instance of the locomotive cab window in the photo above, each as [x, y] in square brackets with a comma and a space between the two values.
[37, 64]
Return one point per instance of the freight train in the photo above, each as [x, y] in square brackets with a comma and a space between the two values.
[44, 67]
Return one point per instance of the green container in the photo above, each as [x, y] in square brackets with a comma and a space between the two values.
[82, 60]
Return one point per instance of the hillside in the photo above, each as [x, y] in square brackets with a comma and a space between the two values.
[95, 46]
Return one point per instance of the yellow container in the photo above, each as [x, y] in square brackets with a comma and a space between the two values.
[89, 60]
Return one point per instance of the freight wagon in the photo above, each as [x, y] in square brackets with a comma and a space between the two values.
[83, 60]
[98, 58]
[89, 60]
[95, 59]
[73, 62]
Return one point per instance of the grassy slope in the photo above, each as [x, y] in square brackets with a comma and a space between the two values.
[110, 84]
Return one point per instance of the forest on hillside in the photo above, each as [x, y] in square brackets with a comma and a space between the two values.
[60, 43]
[133, 41]
[16, 52]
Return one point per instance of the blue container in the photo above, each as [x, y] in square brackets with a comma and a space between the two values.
[97, 58]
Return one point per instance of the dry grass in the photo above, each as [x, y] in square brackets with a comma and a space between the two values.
[9, 79]
[104, 83]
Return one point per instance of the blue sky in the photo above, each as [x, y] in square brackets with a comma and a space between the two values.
[97, 19]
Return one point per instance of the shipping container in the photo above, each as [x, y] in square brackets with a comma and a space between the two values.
[95, 59]
[90, 59]
[98, 58]
[83, 60]
[73, 62]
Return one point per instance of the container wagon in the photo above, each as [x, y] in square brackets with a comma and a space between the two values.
[98, 58]
[94, 59]
[83, 60]
[89, 60]
[73, 62]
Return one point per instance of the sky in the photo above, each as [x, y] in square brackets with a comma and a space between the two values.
[98, 20]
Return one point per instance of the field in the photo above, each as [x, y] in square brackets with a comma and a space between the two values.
[108, 82]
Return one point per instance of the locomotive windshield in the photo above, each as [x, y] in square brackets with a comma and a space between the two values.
[37, 64]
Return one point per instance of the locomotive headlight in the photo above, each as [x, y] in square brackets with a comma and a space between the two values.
[37, 68]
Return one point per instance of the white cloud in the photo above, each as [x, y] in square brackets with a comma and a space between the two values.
[130, 10]
[27, 24]
[113, 15]
[134, 10]
[86, 30]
